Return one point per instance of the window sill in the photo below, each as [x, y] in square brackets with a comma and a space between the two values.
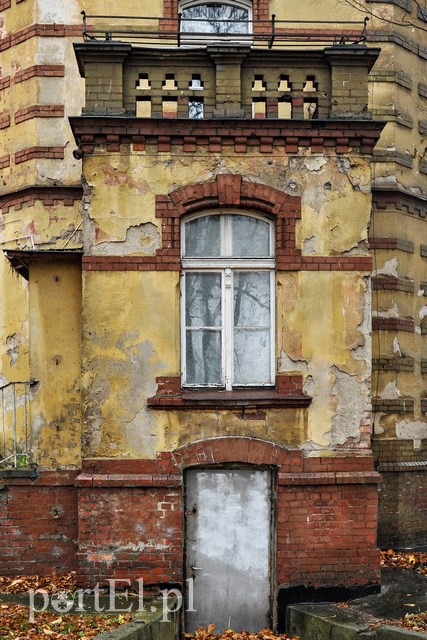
[217, 399]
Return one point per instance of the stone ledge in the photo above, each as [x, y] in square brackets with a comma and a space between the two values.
[328, 622]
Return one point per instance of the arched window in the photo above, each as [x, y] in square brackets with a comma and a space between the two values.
[216, 18]
[227, 300]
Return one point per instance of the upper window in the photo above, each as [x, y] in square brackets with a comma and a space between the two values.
[221, 18]
[227, 301]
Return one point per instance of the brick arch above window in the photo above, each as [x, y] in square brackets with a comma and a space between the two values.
[229, 191]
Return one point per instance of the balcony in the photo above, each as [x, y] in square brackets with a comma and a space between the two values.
[186, 30]
[127, 74]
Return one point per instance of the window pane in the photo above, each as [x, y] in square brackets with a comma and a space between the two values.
[215, 18]
[203, 356]
[203, 299]
[252, 356]
[203, 237]
[251, 237]
[252, 299]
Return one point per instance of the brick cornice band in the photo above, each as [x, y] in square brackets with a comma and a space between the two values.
[393, 324]
[39, 111]
[264, 136]
[49, 196]
[52, 30]
[31, 153]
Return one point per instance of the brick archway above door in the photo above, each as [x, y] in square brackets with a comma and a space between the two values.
[241, 450]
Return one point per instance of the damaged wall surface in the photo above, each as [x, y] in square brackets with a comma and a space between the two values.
[107, 150]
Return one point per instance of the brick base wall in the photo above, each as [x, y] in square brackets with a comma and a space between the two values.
[130, 533]
[403, 509]
[402, 493]
[130, 517]
[38, 524]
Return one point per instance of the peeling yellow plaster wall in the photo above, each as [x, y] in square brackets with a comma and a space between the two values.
[329, 321]
[55, 338]
[131, 320]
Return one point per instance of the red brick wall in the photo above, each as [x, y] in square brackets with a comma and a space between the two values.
[38, 525]
[130, 533]
[326, 535]
[326, 514]
[130, 516]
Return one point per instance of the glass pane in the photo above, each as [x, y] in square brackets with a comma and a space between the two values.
[215, 18]
[252, 299]
[203, 299]
[203, 356]
[251, 237]
[203, 237]
[252, 356]
[195, 109]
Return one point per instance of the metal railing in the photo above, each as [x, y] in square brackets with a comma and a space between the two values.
[15, 423]
[176, 32]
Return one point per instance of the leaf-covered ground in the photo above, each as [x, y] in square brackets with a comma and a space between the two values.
[229, 634]
[413, 560]
[49, 625]
[15, 621]
[50, 584]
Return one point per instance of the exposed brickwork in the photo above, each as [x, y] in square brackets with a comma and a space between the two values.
[391, 450]
[423, 250]
[399, 244]
[38, 524]
[398, 405]
[423, 405]
[141, 540]
[392, 324]
[393, 364]
[40, 30]
[39, 70]
[5, 4]
[403, 493]
[423, 366]
[49, 196]
[396, 200]
[189, 135]
[4, 162]
[168, 385]
[4, 83]
[4, 120]
[171, 262]
[244, 400]
[393, 284]
[289, 384]
[171, 395]
[326, 510]
[39, 111]
[327, 532]
[30, 153]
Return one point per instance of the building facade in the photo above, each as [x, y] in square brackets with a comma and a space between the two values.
[214, 296]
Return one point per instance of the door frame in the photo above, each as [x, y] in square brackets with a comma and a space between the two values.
[272, 597]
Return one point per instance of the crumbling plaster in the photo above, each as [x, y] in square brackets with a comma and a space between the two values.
[322, 317]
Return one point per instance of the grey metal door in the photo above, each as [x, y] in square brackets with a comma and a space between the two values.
[228, 548]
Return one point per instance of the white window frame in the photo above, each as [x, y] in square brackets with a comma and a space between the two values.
[217, 37]
[227, 267]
